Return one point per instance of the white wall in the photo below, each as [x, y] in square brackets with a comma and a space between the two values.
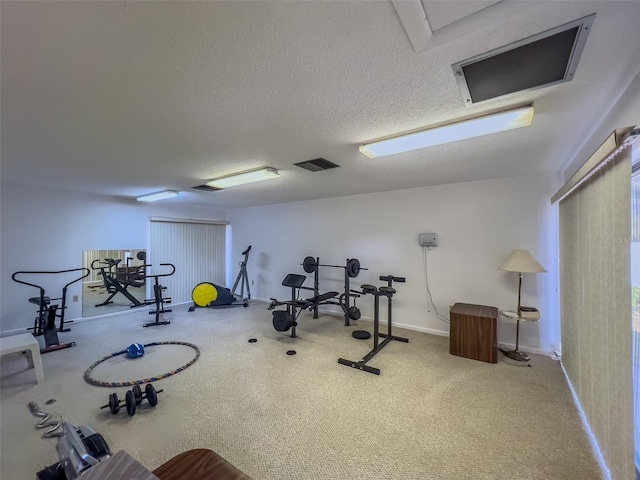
[47, 229]
[625, 113]
[478, 224]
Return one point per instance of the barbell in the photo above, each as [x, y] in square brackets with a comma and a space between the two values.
[352, 267]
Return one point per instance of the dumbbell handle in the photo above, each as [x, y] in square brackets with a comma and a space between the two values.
[123, 400]
[144, 395]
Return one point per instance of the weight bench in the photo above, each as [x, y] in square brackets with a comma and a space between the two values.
[25, 342]
[285, 320]
[313, 302]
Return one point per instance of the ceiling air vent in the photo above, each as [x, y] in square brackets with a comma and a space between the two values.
[316, 165]
[544, 59]
[206, 188]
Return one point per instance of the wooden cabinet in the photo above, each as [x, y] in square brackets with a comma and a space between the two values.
[473, 332]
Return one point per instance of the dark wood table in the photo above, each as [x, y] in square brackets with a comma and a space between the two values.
[473, 332]
[199, 464]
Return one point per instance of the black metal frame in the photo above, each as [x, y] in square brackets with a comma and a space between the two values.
[158, 300]
[388, 292]
[242, 278]
[294, 304]
[343, 299]
[45, 322]
[113, 284]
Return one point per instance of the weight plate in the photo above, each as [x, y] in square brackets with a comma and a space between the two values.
[114, 403]
[309, 264]
[282, 321]
[137, 394]
[131, 403]
[354, 313]
[353, 267]
[360, 334]
[152, 395]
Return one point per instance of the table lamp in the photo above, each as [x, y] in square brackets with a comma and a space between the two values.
[520, 262]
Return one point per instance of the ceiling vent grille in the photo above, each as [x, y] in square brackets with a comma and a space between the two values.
[316, 165]
[547, 58]
[206, 188]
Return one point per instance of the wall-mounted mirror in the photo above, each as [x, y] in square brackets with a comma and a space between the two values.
[116, 282]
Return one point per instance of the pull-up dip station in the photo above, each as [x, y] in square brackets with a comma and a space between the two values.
[377, 292]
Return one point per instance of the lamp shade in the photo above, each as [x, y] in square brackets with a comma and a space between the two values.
[521, 261]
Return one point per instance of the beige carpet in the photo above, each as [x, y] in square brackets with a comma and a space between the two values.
[429, 415]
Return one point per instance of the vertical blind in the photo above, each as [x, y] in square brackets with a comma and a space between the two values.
[635, 297]
[89, 256]
[196, 249]
[595, 302]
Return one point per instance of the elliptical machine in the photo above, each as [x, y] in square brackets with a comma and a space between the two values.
[242, 277]
[45, 321]
[207, 294]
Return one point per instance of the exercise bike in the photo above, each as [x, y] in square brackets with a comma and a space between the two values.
[45, 321]
[158, 299]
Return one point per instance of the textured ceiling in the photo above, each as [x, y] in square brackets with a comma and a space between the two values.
[122, 99]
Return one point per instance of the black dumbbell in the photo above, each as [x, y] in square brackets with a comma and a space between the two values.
[133, 398]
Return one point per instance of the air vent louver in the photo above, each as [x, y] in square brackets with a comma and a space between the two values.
[206, 188]
[544, 59]
[316, 165]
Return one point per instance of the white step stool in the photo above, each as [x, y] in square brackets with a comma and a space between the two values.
[25, 342]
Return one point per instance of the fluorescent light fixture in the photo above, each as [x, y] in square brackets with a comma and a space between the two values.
[154, 197]
[474, 127]
[244, 178]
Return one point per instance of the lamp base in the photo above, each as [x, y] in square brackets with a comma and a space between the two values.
[516, 355]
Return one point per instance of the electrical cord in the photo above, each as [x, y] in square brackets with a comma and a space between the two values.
[45, 423]
[426, 279]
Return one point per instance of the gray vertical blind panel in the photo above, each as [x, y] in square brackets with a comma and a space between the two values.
[196, 250]
[596, 298]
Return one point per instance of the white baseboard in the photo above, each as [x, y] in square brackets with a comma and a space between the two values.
[441, 333]
[324, 311]
[16, 331]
